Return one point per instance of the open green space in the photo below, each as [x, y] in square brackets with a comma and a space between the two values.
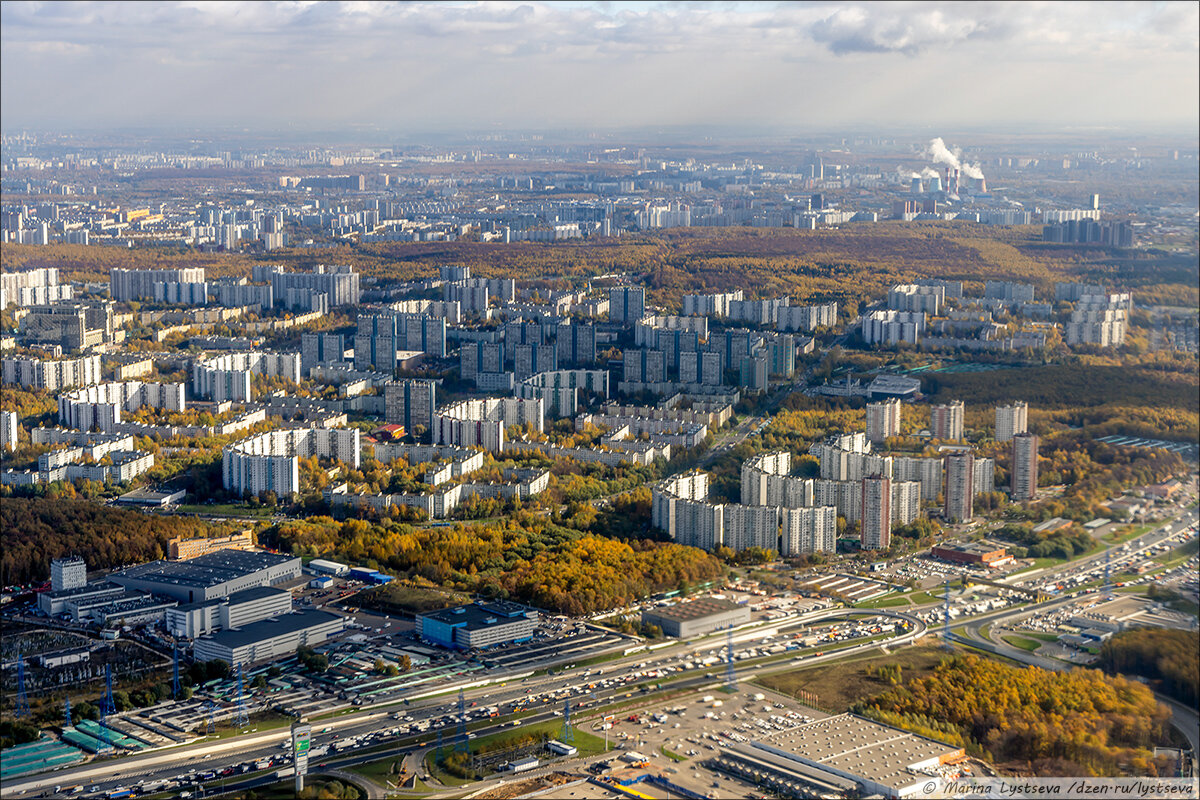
[839, 685]
[386, 772]
[1023, 642]
[887, 601]
[671, 755]
[587, 744]
[1127, 533]
[1180, 554]
[226, 510]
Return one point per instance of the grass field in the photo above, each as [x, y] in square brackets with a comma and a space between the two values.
[1179, 554]
[380, 772]
[1127, 533]
[227, 510]
[839, 685]
[1023, 642]
[671, 755]
[887, 601]
[587, 743]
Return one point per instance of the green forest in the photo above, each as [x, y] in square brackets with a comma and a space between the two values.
[1080, 722]
[1166, 657]
[528, 557]
[36, 531]
[850, 263]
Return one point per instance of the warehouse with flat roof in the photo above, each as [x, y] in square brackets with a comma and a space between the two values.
[268, 639]
[696, 617]
[479, 625]
[209, 576]
[827, 755]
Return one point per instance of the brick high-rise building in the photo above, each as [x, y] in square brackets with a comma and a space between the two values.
[946, 421]
[883, 420]
[876, 513]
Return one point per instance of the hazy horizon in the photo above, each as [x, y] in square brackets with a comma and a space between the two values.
[763, 69]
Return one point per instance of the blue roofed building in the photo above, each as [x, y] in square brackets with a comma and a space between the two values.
[478, 626]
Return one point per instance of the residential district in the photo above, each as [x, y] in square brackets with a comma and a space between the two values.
[253, 403]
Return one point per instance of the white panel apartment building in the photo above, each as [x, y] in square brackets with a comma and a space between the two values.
[269, 461]
[808, 318]
[946, 420]
[9, 425]
[893, 327]
[229, 376]
[33, 287]
[100, 406]
[680, 507]
[482, 423]
[809, 530]
[1011, 420]
[135, 284]
[751, 526]
[710, 304]
[53, 375]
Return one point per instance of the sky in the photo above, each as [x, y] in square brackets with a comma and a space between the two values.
[602, 66]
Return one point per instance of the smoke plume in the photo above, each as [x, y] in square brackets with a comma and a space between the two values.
[939, 153]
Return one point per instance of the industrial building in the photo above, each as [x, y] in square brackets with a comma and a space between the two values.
[478, 626]
[841, 755]
[321, 566]
[223, 613]
[210, 576]
[268, 639]
[696, 617]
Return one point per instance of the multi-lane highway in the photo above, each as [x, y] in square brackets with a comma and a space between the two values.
[381, 734]
[614, 680]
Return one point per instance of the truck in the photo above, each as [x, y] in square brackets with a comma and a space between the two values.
[286, 772]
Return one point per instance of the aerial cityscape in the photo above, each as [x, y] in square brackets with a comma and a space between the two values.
[599, 400]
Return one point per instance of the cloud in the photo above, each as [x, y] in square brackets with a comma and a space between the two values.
[600, 64]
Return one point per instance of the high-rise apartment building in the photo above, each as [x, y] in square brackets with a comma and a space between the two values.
[876, 513]
[626, 304]
[411, 403]
[1024, 466]
[1011, 420]
[883, 419]
[321, 349]
[960, 487]
[576, 343]
[134, 284]
[946, 420]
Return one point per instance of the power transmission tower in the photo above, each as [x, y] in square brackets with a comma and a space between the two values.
[22, 709]
[461, 744]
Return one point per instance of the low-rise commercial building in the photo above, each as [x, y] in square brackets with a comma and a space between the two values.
[478, 626]
[988, 554]
[696, 617]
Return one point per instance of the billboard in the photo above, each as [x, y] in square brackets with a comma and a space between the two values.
[301, 743]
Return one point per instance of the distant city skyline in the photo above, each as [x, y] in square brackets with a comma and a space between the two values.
[444, 67]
